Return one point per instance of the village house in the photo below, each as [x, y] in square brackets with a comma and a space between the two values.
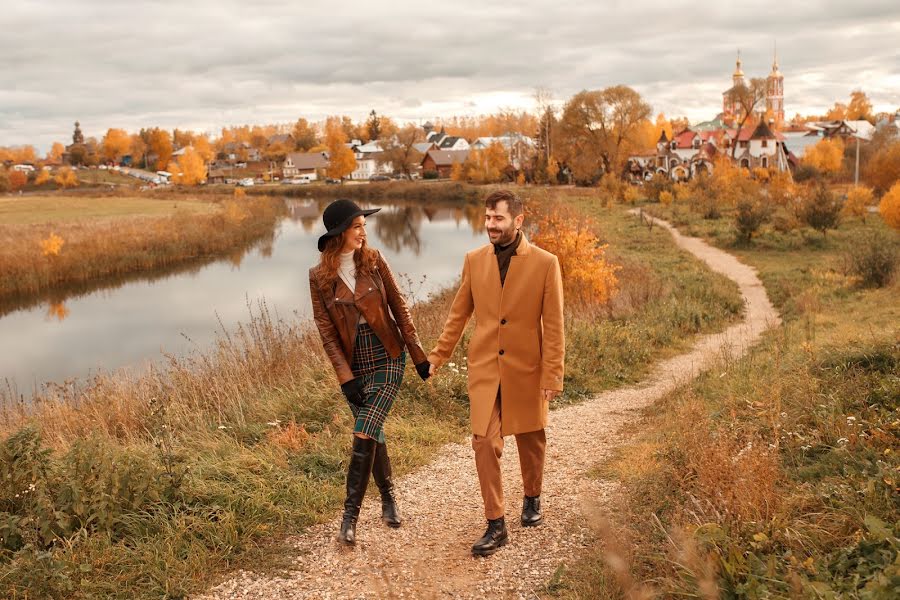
[520, 149]
[310, 165]
[369, 161]
[444, 141]
[442, 161]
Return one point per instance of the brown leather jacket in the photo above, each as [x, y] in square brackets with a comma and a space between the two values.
[336, 312]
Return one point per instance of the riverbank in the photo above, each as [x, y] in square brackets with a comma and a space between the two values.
[49, 242]
[775, 474]
[156, 485]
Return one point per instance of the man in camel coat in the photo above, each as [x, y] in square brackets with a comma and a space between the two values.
[515, 356]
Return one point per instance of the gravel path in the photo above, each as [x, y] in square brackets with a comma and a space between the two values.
[429, 556]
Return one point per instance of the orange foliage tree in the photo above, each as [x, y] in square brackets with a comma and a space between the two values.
[160, 143]
[341, 161]
[589, 279]
[42, 177]
[883, 169]
[482, 166]
[889, 207]
[826, 156]
[56, 152]
[189, 169]
[859, 199]
[17, 180]
[116, 143]
[65, 178]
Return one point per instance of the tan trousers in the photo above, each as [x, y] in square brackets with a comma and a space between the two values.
[489, 449]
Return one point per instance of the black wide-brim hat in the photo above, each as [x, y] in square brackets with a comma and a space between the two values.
[337, 218]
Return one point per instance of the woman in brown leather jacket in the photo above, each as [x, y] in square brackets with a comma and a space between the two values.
[365, 325]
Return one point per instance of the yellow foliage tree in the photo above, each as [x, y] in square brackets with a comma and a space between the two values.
[588, 278]
[56, 152]
[65, 178]
[781, 188]
[889, 207]
[859, 199]
[341, 161]
[116, 143]
[883, 169]
[189, 168]
[552, 170]
[632, 194]
[43, 177]
[826, 156]
[52, 245]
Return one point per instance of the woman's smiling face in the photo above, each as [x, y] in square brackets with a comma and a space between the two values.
[355, 235]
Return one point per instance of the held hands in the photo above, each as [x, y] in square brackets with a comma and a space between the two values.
[425, 369]
[354, 390]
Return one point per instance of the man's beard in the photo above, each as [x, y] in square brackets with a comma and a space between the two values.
[506, 237]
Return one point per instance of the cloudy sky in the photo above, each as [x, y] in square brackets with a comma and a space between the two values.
[202, 64]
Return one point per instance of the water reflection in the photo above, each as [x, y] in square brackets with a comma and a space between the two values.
[129, 321]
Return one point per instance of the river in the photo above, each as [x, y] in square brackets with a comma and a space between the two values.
[133, 322]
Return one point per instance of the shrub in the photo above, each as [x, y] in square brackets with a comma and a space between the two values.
[632, 194]
[889, 207]
[883, 170]
[42, 177]
[65, 178]
[430, 175]
[17, 180]
[858, 201]
[666, 198]
[4, 181]
[820, 208]
[873, 260]
[749, 217]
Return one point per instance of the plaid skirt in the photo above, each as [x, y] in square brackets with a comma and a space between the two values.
[382, 376]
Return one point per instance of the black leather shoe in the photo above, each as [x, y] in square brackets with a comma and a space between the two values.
[531, 511]
[381, 471]
[494, 538]
[358, 474]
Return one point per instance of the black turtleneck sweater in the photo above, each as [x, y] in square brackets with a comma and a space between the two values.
[504, 254]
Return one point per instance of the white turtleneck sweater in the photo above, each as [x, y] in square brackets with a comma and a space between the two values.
[347, 273]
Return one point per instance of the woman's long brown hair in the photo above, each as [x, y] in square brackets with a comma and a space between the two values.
[330, 260]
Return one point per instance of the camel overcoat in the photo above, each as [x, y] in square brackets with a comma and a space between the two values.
[519, 342]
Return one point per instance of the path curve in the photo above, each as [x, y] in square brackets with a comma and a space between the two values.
[429, 557]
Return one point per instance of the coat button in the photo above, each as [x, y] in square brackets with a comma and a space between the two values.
[501, 353]
[503, 321]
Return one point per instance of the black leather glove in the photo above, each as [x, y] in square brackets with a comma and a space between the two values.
[423, 369]
[354, 390]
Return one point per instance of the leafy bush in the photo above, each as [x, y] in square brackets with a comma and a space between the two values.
[749, 217]
[820, 209]
[873, 260]
[430, 175]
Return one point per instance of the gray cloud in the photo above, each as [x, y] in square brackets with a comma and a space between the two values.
[206, 64]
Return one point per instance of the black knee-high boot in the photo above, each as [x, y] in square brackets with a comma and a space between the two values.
[381, 471]
[358, 474]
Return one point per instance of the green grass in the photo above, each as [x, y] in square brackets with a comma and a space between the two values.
[31, 210]
[223, 455]
[776, 474]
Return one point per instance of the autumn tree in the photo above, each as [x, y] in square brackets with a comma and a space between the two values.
[889, 207]
[883, 169]
[825, 156]
[159, 142]
[137, 148]
[305, 136]
[189, 168]
[17, 180]
[860, 106]
[747, 99]
[838, 112]
[598, 128]
[65, 178]
[204, 148]
[859, 199]
[116, 143]
[341, 161]
[56, 152]
[483, 166]
[399, 151]
[42, 177]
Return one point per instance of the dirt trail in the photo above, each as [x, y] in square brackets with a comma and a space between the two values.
[428, 557]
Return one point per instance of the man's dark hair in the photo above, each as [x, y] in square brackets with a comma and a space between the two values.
[515, 204]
